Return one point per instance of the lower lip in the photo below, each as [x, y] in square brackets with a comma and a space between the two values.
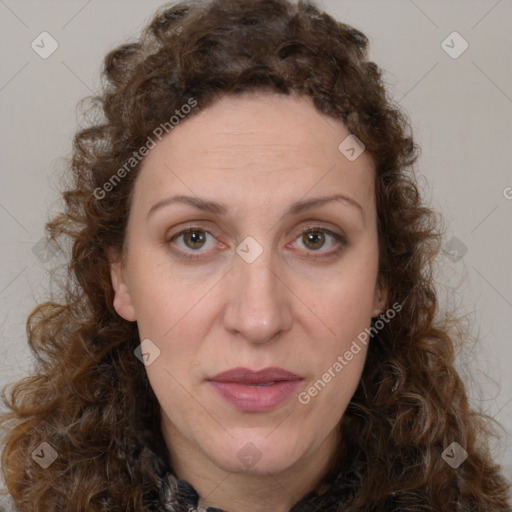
[255, 399]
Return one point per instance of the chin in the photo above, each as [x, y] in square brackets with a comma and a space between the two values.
[257, 455]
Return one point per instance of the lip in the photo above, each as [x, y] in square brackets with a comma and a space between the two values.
[255, 391]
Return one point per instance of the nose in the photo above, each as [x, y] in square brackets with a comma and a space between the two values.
[258, 306]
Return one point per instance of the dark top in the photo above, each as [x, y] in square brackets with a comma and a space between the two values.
[178, 495]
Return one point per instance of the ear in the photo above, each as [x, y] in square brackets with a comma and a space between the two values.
[380, 299]
[122, 300]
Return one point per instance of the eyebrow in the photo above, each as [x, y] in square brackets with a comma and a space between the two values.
[220, 209]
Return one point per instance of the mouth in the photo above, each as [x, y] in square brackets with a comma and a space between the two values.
[255, 391]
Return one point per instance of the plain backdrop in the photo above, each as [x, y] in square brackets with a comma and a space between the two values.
[446, 63]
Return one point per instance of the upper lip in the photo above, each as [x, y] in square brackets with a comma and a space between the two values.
[246, 376]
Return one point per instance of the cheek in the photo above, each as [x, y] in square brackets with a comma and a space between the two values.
[161, 296]
[345, 302]
[337, 333]
[330, 394]
[175, 313]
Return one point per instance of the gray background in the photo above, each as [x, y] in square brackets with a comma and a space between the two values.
[460, 110]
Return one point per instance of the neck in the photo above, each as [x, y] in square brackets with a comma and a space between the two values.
[231, 491]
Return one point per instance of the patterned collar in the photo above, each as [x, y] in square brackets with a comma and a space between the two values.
[178, 495]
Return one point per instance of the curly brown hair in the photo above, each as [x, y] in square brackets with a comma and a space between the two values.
[90, 398]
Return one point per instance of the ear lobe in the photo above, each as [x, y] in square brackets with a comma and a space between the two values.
[380, 299]
[122, 301]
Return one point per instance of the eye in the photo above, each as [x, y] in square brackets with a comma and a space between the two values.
[194, 239]
[314, 238]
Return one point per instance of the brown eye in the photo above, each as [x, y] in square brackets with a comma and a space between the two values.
[194, 239]
[194, 242]
[314, 239]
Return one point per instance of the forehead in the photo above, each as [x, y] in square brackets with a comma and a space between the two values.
[265, 147]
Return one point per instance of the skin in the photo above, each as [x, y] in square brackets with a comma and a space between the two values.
[284, 309]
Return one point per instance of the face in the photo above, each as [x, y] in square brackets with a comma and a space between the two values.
[252, 272]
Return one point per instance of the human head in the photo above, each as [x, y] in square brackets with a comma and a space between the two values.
[173, 370]
[273, 305]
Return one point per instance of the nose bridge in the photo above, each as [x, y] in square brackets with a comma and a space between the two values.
[258, 308]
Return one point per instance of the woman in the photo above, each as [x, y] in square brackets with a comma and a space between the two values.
[251, 322]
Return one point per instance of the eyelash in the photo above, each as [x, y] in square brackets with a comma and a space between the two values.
[340, 239]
